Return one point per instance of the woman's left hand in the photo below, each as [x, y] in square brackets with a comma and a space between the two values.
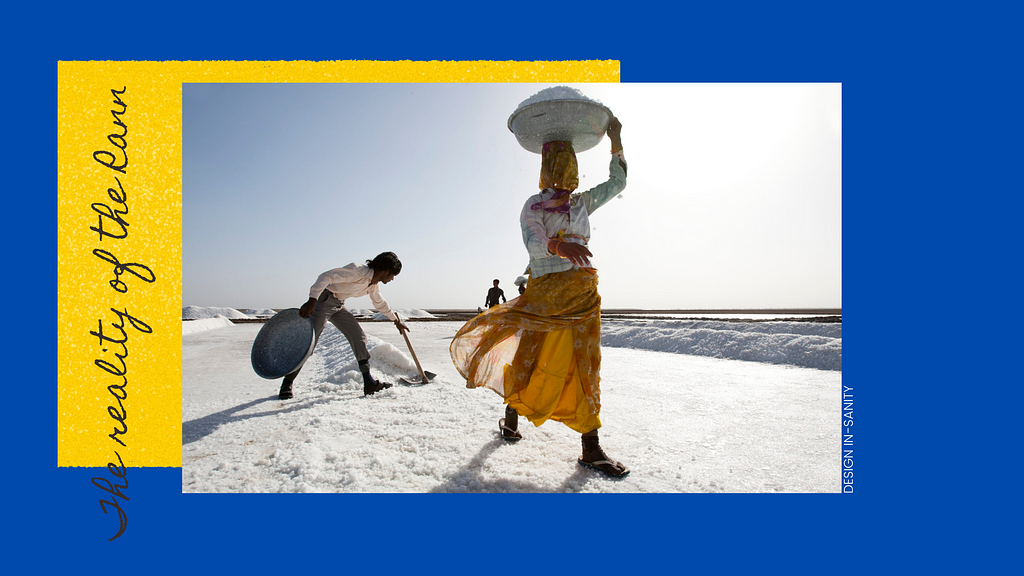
[614, 128]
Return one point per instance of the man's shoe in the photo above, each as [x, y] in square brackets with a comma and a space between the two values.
[369, 389]
[286, 391]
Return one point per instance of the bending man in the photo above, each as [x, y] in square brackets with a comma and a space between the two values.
[327, 304]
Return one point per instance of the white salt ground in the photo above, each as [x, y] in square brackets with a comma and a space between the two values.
[681, 422]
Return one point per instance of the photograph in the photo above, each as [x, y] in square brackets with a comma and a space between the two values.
[512, 288]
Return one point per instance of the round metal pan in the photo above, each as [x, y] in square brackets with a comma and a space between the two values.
[581, 122]
[283, 344]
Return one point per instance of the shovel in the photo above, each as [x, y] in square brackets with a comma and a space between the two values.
[424, 376]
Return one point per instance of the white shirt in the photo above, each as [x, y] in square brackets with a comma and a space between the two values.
[350, 282]
[540, 226]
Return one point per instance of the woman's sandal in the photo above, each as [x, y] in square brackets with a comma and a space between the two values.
[507, 433]
[602, 464]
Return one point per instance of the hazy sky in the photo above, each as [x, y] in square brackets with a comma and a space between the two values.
[734, 195]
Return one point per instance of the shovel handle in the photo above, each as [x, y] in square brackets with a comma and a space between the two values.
[413, 352]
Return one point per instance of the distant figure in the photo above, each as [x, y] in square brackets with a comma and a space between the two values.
[327, 303]
[521, 282]
[493, 294]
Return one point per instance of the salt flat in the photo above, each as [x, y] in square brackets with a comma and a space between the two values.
[681, 422]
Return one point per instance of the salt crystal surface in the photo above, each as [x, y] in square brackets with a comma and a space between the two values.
[555, 93]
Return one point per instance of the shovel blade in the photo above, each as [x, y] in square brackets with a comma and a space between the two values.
[418, 381]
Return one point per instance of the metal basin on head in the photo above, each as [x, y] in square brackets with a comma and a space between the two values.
[550, 116]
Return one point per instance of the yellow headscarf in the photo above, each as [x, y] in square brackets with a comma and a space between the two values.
[558, 167]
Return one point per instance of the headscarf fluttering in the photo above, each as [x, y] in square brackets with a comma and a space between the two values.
[558, 170]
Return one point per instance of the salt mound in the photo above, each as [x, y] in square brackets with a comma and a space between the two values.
[403, 312]
[259, 312]
[200, 312]
[194, 326]
[406, 313]
[555, 93]
[805, 344]
[388, 358]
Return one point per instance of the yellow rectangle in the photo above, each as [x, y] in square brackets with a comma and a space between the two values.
[119, 234]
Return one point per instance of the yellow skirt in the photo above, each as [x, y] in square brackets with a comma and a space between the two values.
[541, 351]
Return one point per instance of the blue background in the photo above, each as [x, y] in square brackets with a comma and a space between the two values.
[931, 134]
